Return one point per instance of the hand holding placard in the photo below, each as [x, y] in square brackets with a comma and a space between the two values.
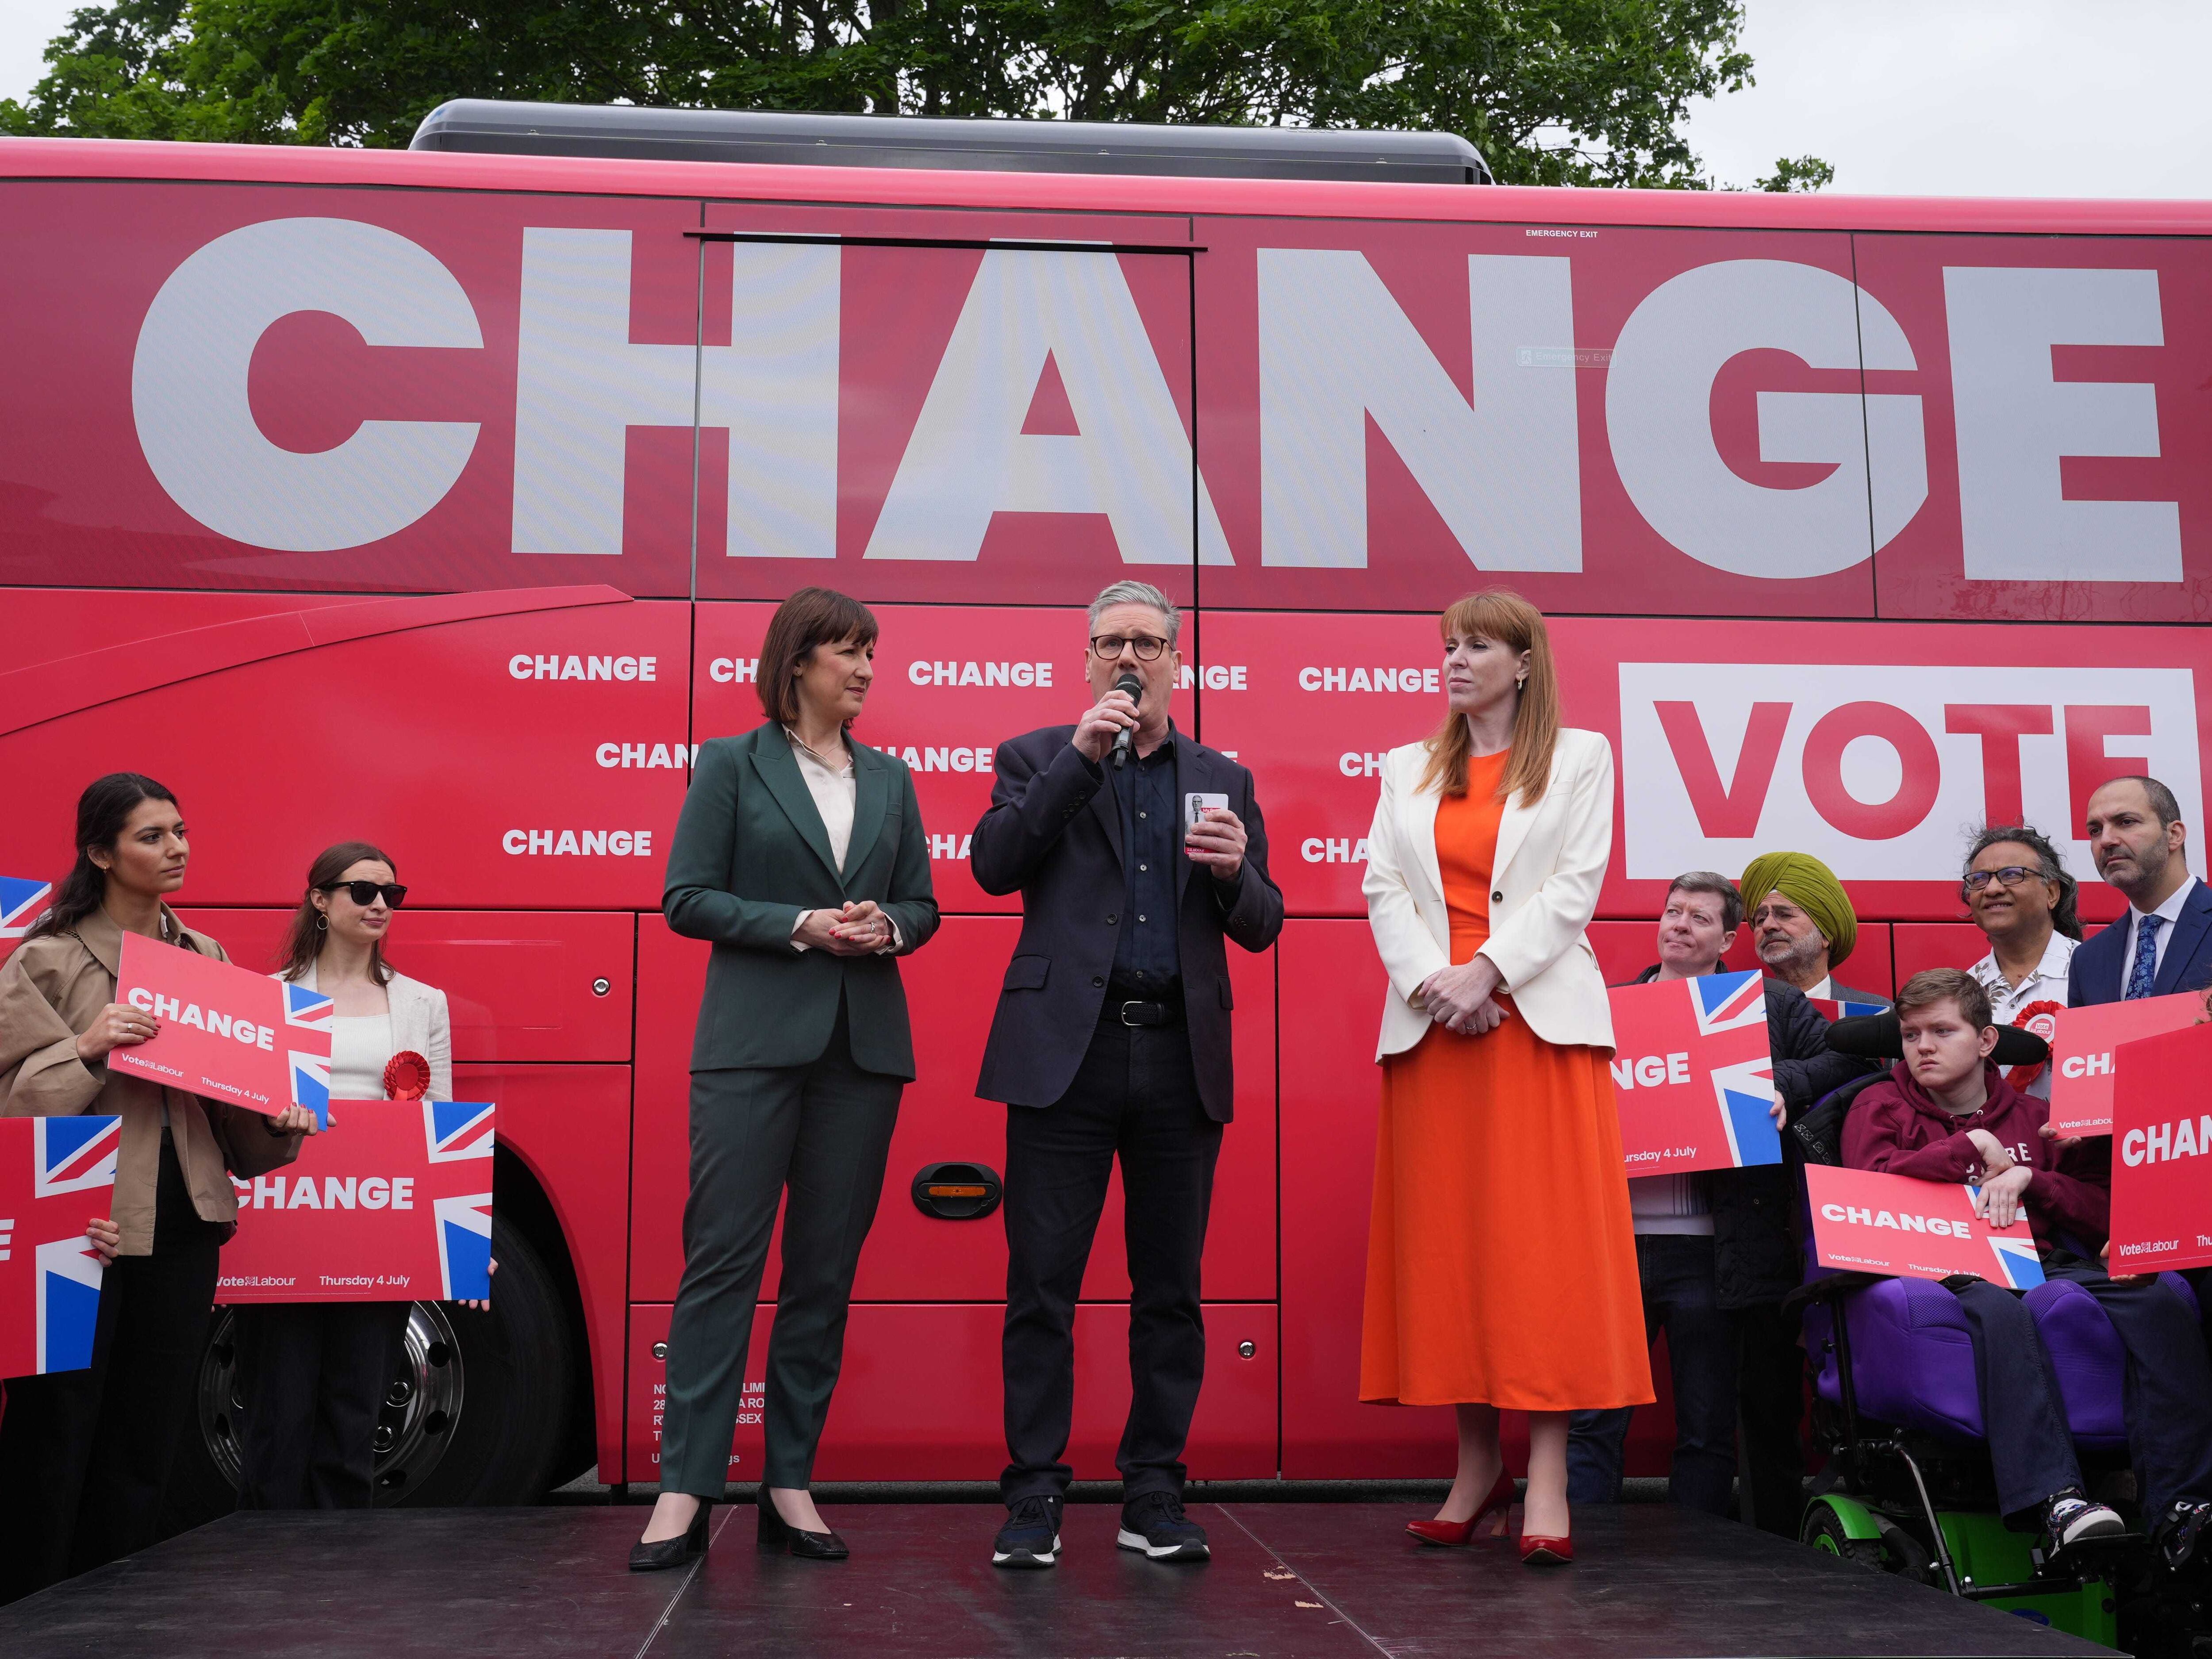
[224, 1032]
[1870, 1222]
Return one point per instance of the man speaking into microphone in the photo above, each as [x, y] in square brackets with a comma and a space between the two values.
[1136, 851]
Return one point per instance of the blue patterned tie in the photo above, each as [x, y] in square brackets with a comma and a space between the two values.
[2144, 974]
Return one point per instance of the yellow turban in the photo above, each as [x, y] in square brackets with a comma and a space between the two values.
[1812, 888]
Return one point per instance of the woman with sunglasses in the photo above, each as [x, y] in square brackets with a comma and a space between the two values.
[313, 1374]
[2018, 892]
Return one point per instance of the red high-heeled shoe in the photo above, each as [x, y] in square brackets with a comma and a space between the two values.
[1537, 1550]
[1457, 1534]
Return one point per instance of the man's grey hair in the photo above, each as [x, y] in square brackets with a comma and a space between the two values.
[1132, 592]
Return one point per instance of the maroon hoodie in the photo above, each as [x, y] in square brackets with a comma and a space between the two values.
[1896, 1126]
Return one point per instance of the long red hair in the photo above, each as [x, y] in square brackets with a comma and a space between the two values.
[1503, 617]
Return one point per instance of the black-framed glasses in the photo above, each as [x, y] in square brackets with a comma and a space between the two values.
[1147, 648]
[2010, 875]
[364, 893]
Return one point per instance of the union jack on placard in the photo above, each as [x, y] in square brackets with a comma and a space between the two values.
[1727, 1002]
[2018, 1264]
[455, 1129]
[1746, 1092]
[71, 1154]
[310, 1011]
[464, 1248]
[21, 901]
[68, 1303]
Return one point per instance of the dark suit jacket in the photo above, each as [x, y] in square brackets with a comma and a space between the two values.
[1053, 832]
[2098, 972]
[749, 854]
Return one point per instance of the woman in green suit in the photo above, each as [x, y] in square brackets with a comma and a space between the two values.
[800, 855]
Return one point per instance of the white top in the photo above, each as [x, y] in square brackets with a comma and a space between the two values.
[2170, 910]
[2045, 982]
[360, 1047]
[835, 793]
[1670, 1203]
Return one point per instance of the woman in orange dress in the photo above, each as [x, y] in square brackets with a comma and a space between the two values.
[1501, 1262]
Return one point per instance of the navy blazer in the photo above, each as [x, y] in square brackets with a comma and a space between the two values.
[2098, 972]
[1052, 831]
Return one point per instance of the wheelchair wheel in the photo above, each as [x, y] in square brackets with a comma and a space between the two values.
[1824, 1529]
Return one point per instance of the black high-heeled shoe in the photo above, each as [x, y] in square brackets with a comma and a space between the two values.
[665, 1552]
[778, 1537]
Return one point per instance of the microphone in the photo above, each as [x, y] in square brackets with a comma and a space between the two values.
[1135, 688]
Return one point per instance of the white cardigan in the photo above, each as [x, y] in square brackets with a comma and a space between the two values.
[1551, 860]
[420, 1021]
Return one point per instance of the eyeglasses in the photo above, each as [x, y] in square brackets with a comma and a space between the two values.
[2010, 875]
[364, 893]
[1147, 648]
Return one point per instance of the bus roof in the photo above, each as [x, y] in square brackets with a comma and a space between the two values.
[782, 137]
[90, 159]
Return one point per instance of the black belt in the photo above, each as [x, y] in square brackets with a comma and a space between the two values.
[1119, 1012]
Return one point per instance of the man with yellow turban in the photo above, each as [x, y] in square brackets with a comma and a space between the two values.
[1802, 924]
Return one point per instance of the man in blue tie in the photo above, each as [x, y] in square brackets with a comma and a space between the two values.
[2164, 942]
[2162, 945]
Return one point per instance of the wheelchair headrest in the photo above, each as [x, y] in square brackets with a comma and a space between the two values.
[1878, 1036]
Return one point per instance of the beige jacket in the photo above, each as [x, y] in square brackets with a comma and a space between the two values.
[1552, 855]
[54, 988]
[420, 1022]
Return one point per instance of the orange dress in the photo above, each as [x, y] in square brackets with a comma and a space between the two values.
[1501, 1259]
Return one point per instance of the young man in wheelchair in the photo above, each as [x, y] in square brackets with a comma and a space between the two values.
[1946, 1113]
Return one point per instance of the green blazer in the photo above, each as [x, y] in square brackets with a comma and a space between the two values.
[749, 854]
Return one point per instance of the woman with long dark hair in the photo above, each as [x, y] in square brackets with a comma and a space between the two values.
[314, 1374]
[1501, 1262]
[800, 855]
[2017, 889]
[84, 1455]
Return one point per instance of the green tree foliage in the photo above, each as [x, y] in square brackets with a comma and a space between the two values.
[1557, 92]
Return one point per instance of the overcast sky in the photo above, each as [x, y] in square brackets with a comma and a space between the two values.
[1926, 97]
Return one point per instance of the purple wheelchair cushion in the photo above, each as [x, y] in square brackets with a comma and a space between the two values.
[2088, 1358]
[1913, 1359]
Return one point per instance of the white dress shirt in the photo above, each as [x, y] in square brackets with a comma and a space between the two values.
[2045, 982]
[2172, 911]
[834, 793]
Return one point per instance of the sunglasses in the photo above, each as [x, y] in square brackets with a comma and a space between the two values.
[364, 893]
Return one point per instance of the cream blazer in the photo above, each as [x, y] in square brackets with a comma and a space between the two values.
[1552, 855]
[420, 1021]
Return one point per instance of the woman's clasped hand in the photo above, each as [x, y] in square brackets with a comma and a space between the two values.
[1463, 998]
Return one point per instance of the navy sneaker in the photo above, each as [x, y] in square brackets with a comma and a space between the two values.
[1154, 1522]
[2073, 1519]
[1030, 1537]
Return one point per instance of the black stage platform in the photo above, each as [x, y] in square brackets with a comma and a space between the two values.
[1286, 1578]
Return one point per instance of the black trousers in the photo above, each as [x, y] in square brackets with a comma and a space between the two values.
[2168, 1392]
[2023, 1417]
[1770, 1396]
[85, 1456]
[1681, 1297]
[313, 1376]
[822, 1131]
[1134, 1096]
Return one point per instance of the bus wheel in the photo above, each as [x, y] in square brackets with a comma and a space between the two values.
[476, 1412]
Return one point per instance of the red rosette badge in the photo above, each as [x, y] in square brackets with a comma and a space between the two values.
[2042, 1019]
[407, 1076]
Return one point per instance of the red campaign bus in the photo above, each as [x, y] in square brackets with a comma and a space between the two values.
[441, 499]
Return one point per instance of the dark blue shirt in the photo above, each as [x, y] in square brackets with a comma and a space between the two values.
[1146, 961]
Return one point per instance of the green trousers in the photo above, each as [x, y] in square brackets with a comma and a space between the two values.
[822, 1132]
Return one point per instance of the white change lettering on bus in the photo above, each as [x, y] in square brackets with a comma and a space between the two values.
[529, 665]
[980, 673]
[578, 843]
[1364, 678]
[682, 757]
